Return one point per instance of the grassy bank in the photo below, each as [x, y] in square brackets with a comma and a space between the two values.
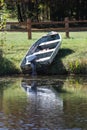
[72, 57]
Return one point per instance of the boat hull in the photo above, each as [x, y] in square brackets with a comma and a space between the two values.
[42, 52]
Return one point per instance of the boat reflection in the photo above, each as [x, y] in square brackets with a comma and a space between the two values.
[29, 88]
[42, 94]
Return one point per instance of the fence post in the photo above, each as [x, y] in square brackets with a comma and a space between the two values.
[29, 28]
[67, 26]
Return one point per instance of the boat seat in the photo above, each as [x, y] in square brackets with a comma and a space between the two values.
[43, 60]
[49, 44]
[43, 51]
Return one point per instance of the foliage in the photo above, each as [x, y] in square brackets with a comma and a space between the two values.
[7, 67]
[77, 66]
[2, 15]
[3, 18]
[57, 10]
[45, 10]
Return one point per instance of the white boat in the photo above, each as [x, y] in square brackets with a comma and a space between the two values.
[42, 52]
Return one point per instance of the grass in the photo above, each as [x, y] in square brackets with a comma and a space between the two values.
[72, 57]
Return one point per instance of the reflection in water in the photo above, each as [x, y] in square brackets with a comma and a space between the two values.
[29, 88]
[44, 103]
[42, 95]
[39, 105]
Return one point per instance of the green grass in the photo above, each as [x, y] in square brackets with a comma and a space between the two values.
[72, 55]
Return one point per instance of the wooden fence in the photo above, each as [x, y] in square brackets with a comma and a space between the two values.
[28, 26]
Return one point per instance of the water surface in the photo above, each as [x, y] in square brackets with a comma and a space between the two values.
[43, 103]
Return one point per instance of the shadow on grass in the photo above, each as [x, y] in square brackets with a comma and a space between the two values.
[64, 52]
[57, 67]
[6, 66]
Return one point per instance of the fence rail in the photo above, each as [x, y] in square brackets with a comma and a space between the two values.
[29, 26]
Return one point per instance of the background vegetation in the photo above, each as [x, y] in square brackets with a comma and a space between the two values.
[42, 10]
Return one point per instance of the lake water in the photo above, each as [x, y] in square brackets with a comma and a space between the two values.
[43, 103]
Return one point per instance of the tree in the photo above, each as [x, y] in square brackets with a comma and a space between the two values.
[3, 19]
[2, 15]
[49, 10]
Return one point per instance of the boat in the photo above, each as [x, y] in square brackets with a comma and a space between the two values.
[42, 52]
